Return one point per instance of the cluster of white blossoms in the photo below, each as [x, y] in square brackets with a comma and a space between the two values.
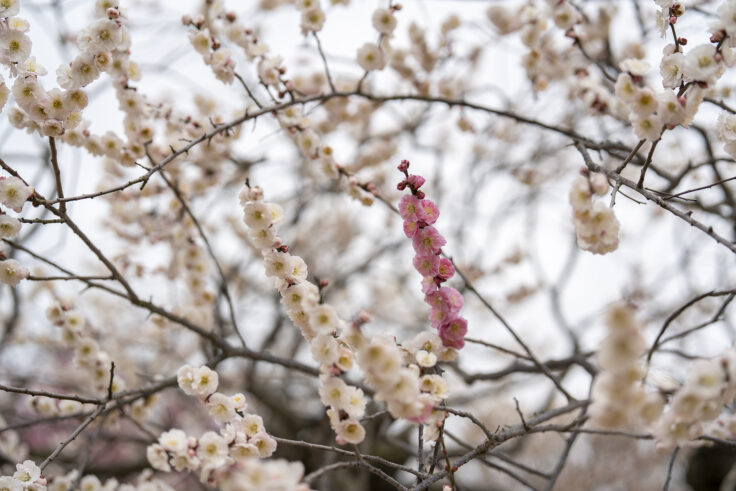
[709, 386]
[548, 60]
[308, 141]
[319, 322]
[191, 261]
[104, 47]
[648, 111]
[374, 56]
[313, 17]
[406, 380]
[11, 445]
[48, 407]
[53, 112]
[619, 398]
[596, 226]
[686, 74]
[93, 365]
[13, 194]
[406, 377]
[28, 477]
[144, 482]
[217, 57]
[228, 458]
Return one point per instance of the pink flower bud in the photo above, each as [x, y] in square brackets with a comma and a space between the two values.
[415, 181]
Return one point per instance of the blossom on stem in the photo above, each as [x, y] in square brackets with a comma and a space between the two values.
[445, 302]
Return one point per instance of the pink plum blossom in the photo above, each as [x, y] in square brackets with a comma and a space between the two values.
[453, 332]
[428, 211]
[428, 240]
[427, 265]
[409, 207]
[410, 229]
[446, 269]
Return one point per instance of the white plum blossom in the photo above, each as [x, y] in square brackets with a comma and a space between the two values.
[12, 272]
[596, 225]
[312, 20]
[635, 67]
[200, 381]
[9, 8]
[565, 16]
[648, 127]
[11, 484]
[14, 193]
[15, 46]
[27, 472]
[626, 89]
[671, 70]
[371, 57]
[350, 431]
[158, 458]
[700, 64]
[212, 448]
[384, 20]
[174, 441]
[221, 407]
[9, 227]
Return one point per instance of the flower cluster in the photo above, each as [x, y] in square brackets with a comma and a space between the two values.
[319, 322]
[313, 17]
[27, 476]
[596, 225]
[445, 302]
[404, 377]
[649, 112]
[709, 386]
[243, 436]
[53, 112]
[217, 57]
[619, 399]
[89, 357]
[13, 194]
[397, 375]
[274, 474]
[144, 482]
[104, 48]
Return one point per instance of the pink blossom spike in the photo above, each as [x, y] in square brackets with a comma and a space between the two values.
[445, 303]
